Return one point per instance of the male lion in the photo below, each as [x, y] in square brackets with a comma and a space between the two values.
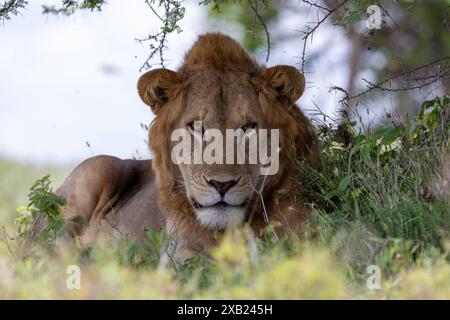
[221, 85]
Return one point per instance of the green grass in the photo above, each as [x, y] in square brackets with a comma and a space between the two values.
[381, 199]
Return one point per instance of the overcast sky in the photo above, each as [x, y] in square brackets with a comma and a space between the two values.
[65, 81]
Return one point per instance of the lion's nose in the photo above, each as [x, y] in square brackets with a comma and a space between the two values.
[222, 186]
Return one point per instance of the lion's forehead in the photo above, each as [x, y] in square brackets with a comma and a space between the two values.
[221, 99]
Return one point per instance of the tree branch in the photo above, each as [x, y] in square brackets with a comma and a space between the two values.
[264, 25]
[443, 70]
[11, 7]
[310, 31]
[173, 13]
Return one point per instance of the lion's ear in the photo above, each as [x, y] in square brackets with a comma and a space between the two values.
[157, 86]
[287, 82]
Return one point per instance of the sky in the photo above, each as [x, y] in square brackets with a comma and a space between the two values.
[68, 84]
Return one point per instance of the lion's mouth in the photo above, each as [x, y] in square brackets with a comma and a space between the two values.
[220, 204]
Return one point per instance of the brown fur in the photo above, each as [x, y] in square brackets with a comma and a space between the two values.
[216, 59]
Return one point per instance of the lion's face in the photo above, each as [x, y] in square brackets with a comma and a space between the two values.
[220, 195]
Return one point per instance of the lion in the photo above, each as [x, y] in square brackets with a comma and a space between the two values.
[222, 86]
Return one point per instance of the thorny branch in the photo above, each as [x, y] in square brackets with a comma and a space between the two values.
[173, 13]
[11, 7]
[263, 24]
[442, 71]
[310, 30]
[316, 5]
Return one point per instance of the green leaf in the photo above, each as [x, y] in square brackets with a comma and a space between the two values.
[391, 135]
[343, 184]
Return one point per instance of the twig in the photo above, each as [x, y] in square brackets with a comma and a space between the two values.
[264, 25]
[11, 7]
[259, 192]
[154, 11]
[434, 78]
[310, 31]
[173, 13]
[318, 6]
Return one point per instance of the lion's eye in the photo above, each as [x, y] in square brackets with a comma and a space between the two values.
[250, 125]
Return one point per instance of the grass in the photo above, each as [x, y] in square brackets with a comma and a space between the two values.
[380, 200]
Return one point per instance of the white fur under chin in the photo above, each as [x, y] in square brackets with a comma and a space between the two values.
[220, 218]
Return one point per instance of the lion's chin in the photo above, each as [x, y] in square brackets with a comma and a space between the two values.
[221, 217]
